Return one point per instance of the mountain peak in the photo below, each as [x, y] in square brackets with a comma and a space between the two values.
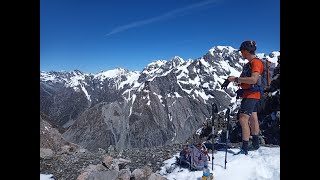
[176, 61]
[111, 73]
[219, 49]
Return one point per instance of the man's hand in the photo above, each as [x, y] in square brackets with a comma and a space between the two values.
[227, 81]
[231, 78]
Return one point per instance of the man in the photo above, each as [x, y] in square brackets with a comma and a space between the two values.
[250, 97]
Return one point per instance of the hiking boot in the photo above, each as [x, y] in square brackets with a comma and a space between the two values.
[242, 151]
[253, 148]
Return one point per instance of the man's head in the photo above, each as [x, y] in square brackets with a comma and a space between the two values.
[249, 46]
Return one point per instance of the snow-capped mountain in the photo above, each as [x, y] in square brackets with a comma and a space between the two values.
[164, 103]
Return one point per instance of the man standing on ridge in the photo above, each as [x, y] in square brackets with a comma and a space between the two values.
[250, 96]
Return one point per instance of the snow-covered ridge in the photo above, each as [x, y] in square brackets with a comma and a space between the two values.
[62, 76]
[221, 48]
[110, 73]
[192, 75]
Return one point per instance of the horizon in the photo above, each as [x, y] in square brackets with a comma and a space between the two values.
[97, 35]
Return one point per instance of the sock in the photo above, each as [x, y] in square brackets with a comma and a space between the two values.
[245, 145]
[255, 140]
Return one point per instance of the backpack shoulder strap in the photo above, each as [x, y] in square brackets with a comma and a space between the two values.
[263, 64]
[256, 58]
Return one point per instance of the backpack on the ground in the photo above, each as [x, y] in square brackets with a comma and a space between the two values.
[193, 158]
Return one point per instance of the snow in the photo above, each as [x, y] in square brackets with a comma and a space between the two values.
[109, 74]
[46, 177]
[44, 76]
[262, 164]
[132, 78]
[229, 48]
[75, 80]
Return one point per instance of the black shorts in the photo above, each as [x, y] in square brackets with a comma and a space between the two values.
[249, 105]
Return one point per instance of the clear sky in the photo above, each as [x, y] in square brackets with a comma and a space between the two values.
[95, 35]
[263, 163]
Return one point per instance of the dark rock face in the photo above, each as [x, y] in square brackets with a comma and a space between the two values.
[100, 126]
[50, 137]
[269, 114]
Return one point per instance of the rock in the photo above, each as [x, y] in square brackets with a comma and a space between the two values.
[46, 153]
[155, 176]
[124, 174]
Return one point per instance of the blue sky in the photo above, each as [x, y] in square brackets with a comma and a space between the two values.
[95, 35]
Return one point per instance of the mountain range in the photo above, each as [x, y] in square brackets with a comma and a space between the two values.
[163, 104]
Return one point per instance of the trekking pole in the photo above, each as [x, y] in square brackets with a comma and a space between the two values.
[214, 110]
[227, 134]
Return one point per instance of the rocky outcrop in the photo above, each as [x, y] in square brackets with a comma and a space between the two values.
[81, 164]
[50, 136]
[101, 126]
